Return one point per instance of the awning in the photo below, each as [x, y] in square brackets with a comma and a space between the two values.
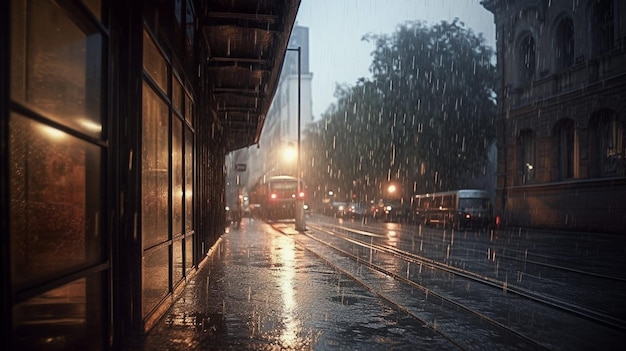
[247, 41]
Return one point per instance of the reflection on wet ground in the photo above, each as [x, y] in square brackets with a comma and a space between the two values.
[260, 291]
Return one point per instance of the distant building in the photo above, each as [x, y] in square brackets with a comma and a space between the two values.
[561, 113]
[279, 138]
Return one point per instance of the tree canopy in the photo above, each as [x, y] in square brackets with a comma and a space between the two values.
[423, 121]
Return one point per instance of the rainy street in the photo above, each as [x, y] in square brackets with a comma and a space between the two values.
[526, 288]
[313, 175]
[358, 284]
[261, 290]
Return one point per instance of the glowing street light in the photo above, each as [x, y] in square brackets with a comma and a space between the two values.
[290, 154]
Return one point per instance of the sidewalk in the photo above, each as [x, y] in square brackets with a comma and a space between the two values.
[260, 291]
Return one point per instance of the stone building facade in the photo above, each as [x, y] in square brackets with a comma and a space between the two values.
[561, 113]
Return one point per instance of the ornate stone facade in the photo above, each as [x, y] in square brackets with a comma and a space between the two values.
[561, 113]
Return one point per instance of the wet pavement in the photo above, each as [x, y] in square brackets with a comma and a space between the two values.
[259, 290]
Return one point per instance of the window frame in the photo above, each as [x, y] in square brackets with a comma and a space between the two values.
[525, 58]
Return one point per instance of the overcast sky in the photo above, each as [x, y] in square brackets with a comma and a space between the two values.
[337, 53]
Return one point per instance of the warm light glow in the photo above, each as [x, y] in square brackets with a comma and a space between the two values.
[302, 194]
[391, 189]
[330, 193]
[392, 233]
[290, 154]
[52, 133]
[90, 125]
[273, 196]
[284, 256]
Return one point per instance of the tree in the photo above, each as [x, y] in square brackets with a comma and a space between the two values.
[423, 120]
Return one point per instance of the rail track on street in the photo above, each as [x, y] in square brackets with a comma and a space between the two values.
[470, 309]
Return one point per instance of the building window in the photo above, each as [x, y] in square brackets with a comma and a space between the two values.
[526, 60]
[155, 169]
[527, 156]
[606, 145]
[602, 23]
[56, 145]
[566, 140]
[564, 40]
[167, 176]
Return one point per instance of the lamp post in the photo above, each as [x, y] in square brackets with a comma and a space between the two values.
[300, 217]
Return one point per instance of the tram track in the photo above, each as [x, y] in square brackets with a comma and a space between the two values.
[574, 309]
[333, 238]
[521, 257]
[434, 305]
[483, 317]
[398, 306]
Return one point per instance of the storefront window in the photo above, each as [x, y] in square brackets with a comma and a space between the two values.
[153, 63]
[55, 196]
[155, 169]
[70, 317]
[56, 72]
[188, 181]
[177, 176]
[155, 278]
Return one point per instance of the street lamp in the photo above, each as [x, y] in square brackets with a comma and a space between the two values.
[288, 158]
[300, 218]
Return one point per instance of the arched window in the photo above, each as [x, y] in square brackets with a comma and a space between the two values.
[602, 23]
[527, 155]
[564, 40]
[606, 142]
[566, 142]
[526, 60]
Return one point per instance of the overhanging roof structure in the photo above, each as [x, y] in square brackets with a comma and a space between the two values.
[247, 41]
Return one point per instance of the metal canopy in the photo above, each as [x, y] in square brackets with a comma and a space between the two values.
[247, 41]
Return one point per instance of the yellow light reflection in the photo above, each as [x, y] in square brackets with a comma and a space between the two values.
[392, 234]
[90, 125]
[286, 257]
[51, 133]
